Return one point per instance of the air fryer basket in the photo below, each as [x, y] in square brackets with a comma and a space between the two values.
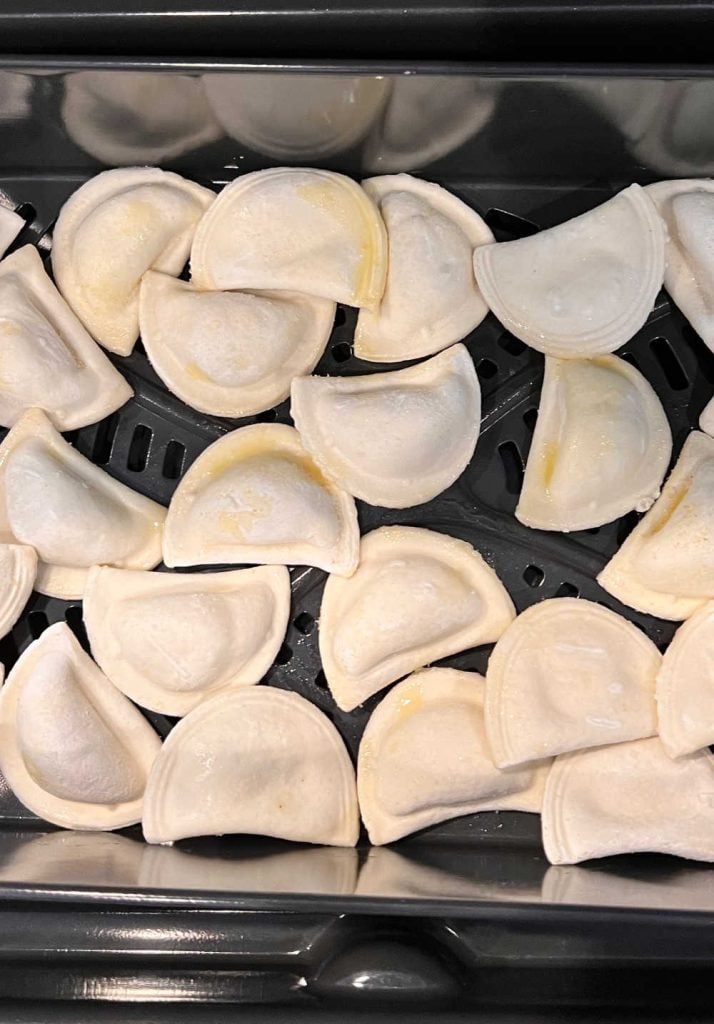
[526, 151]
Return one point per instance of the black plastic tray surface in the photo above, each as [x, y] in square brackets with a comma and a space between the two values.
[543, 178]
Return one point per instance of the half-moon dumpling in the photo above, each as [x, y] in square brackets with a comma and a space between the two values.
[296, 116]
[666, 565]
[685, 686]
[568, 674]
[293, 229]
[170, 640]
[581, 288]
[256, 496]
[629, 798]
[277, 767]
[47, 360]
[601, 446]
[416, 596]
[687, 208]
[424, 758]
[116, 226]
[136, 117]
[397, 438]
[230, 353]
[11, 224]
[73, 749]
[18, 568]
[431, 299]
[72, 513]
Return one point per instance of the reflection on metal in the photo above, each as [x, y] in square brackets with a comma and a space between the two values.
[69, 859]
[15, 96]
[296, 117]
[127, 118]
[426, 119]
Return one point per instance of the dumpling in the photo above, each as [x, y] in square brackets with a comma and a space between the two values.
[685, 686]
[73, 749]
[394, 439]
[116, 226]
[629, 798]
[293, 229]
[666, 565]
[601, 446]
[296, 116]
[72, 513]
[567, 674]
[170, 640]
[416, 596]
[424, 758]
[431, 299]
[136, 117]
[687, 208]
[256, 496]
[581, 288]
[230, 353]
[277, 767]
[18, 568]
[47, 359]
[11, 224]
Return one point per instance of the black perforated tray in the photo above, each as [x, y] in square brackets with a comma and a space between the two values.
[151, 441]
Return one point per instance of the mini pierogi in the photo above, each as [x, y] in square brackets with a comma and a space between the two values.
[566, 674]
[293, 229]
[277, 767]
[416, 596]
[601, 446]
[424, 758]
[685, 686]
[393, 439]
[168, 641]
[230, 353]
[256, 496]
[74, 514]
[581, 288]
[431, 298]
[48, 360]
[73, 749]
[109, 232]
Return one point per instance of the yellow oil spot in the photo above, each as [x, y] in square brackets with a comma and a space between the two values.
[9, 328]
[196, 373]
[409, 703]
[674, 504]
[549, 458]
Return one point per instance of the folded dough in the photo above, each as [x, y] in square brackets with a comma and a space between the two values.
[416, 596]
[567, 674]
[277, 767]
[393, 439]
[73, 749]
[666, 565]
[234, 353]
[256, 496]
[628, 798]
[687, 208]
[74, 514]
[685, 686]
[48, 359]
[424, 758]
[109, 232]
[11, 224]
[431, 299]
[584, 287]
[293, 229]
[18, 569]
[601, 446]
[170, 640]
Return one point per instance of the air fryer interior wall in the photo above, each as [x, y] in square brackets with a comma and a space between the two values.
[526, 151]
